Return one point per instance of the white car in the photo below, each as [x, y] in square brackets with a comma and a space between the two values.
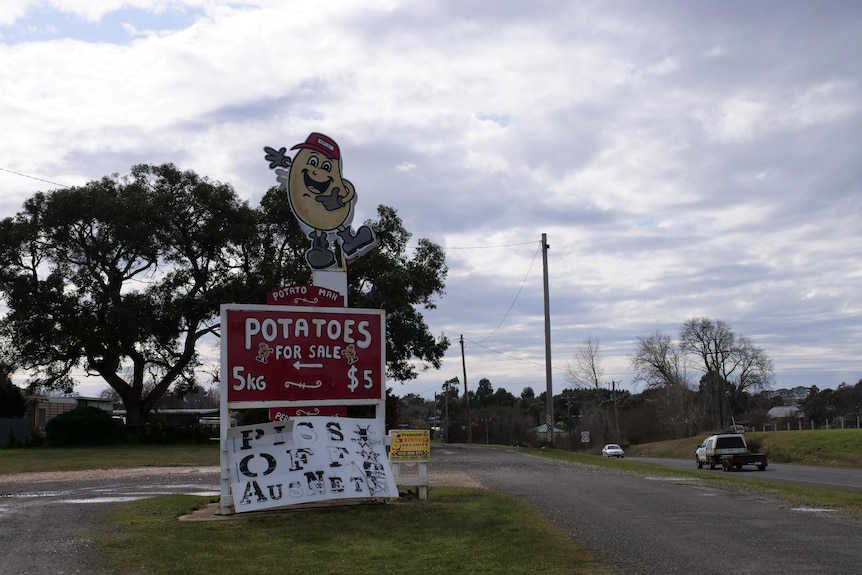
[612, 450]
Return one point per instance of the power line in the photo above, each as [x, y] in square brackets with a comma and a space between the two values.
[522, 360]
[524, 281]
[564, 370]
[487, 247]
[33, 177]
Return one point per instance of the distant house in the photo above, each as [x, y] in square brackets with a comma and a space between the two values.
[793, 395]
[785, 412]
[43, 409]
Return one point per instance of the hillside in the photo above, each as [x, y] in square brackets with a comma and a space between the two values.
[835, 447]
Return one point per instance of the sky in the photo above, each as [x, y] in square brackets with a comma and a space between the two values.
[685, 159]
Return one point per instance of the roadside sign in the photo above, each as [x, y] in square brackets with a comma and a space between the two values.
[286, 413]
[306, 460]
[585, 437]
[305, 295]
[410, 445]
[303, 354]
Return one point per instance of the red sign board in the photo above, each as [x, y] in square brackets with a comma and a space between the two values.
[281, 353]
[315, 296]
[285, 413]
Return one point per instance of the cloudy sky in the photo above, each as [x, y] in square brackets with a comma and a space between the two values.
[685, 159]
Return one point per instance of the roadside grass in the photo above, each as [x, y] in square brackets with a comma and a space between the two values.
[838, 447]
[459, 530]
[39, 459]
[834, 447]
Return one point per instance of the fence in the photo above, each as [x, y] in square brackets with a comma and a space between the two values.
[14, 432]
[804, 424]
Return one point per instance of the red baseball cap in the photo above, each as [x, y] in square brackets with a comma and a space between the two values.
[321, 143]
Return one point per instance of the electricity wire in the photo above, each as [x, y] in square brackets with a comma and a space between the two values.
[33, 177]
[524, 281]
[448, 248]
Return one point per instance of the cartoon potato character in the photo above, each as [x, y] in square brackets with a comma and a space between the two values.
[321, 199]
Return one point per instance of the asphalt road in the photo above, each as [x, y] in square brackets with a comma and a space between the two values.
[45, 519]
[644, 525]
[847, 479]
[639, 524]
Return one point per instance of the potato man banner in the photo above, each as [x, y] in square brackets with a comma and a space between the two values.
[308, 459]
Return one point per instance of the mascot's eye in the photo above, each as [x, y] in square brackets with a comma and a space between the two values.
[312, 161]
[327, 166]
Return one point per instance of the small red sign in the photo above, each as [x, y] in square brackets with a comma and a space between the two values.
[313, 296]
[283, 413]
[280, 353]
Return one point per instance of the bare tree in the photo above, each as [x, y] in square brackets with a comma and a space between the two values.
[732, 365]
[586, 371]
[754, 368]
[710, 340]
[659, 362]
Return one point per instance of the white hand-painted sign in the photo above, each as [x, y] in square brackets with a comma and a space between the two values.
[308, 459]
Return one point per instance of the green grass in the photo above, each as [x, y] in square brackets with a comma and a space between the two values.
[839, 447]
[29, 460]
[465, 531]
[468, 531]
[836, 447]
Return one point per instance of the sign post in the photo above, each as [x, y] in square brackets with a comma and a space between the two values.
[410, 450]
[315, 359]
[299, 358]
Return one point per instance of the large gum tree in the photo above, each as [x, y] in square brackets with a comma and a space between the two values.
[123, 277]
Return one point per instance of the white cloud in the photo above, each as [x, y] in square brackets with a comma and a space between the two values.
[683, 159]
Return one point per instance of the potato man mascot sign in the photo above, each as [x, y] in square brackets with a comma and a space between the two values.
[321, 199]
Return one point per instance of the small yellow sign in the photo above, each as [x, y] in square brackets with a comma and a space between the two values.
[410, 445]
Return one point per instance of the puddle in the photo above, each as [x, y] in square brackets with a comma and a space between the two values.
[670, 478]
[105, 499]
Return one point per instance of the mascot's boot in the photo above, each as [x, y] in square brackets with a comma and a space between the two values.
[352, 243]
[319, 256]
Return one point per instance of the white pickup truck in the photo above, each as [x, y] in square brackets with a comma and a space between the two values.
[728, 450]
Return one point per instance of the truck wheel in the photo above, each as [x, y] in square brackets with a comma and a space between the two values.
[725, 465]
[761, 468]
[699, 463]
[738, 466]
[712, 463]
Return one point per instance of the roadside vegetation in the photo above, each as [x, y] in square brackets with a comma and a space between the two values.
[43, 459]
[835, 447]
[459, 530]
[832, 447]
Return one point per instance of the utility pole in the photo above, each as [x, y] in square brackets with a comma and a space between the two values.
[446, 410]
[466, 395]
[485, 420]
[616, 417]
[549, 410]
[436, 415]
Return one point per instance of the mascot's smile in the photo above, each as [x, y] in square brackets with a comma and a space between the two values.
[313, 186]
